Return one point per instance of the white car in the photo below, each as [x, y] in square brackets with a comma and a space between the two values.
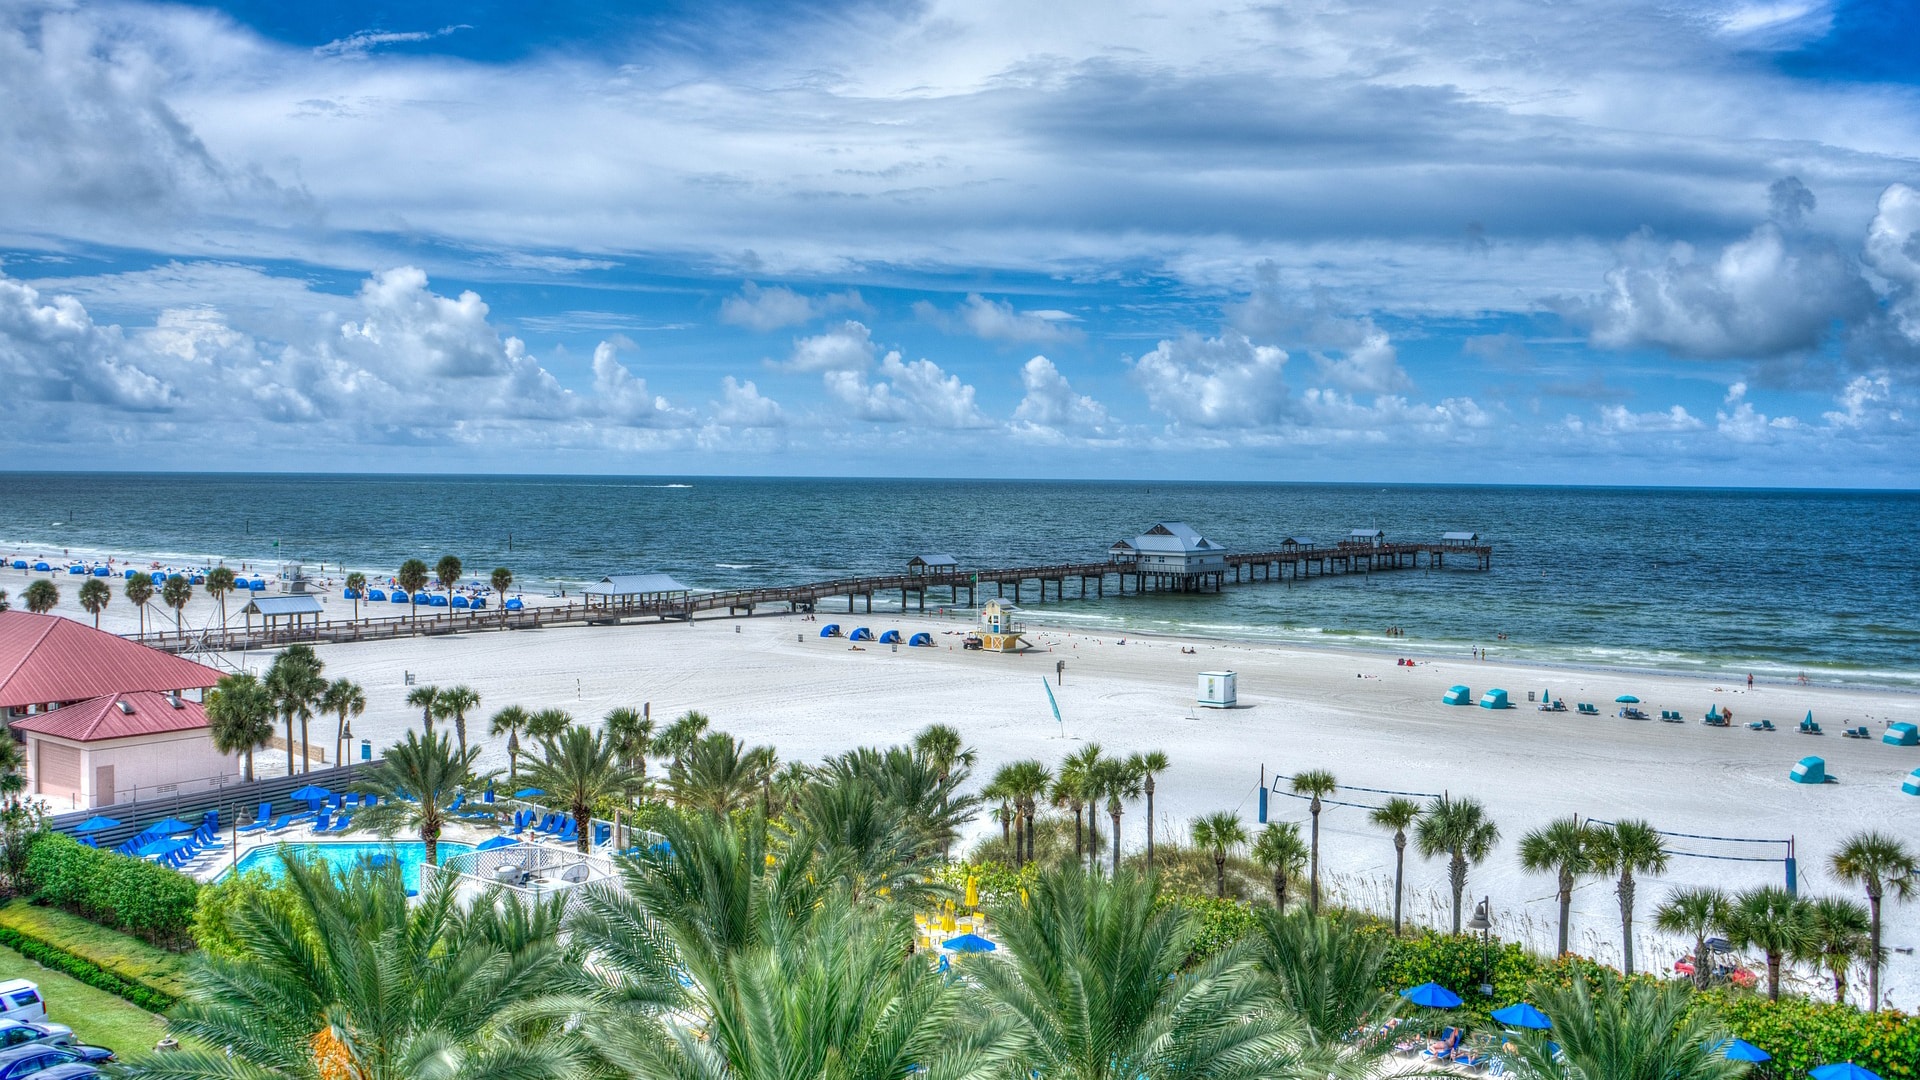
[20, 1000]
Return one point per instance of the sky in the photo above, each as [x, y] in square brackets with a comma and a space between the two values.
[1507, 241]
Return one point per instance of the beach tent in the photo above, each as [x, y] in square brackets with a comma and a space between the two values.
[515, 604]
[1495, 699]
[437, 600]
[256, 585]
[1809, 770]
[101, 571]
[832, 629]
[461, 601]
[921, 639]
[891, 637]
[1901, 735]
[349, 594]
[376, 594]
[860, 634]
[1457, 695]
[399, 596]
[479, 602]
[131, 574]
[42, 565]
[159, 577]
[21, 564]
[1911, 785]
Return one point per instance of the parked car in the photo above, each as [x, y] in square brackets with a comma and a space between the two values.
[20, 1032]
[34, 1059]
[20, 1000]
[72, 1070]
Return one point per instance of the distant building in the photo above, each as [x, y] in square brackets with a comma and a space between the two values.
[1371, 538]
[1460, 539]
[47, 661]
[933, 566]
[1170, 548]
[652, 593]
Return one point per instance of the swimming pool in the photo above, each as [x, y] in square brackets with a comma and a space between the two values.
[345, 855]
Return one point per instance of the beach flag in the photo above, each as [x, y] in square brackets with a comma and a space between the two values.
[1051, 700]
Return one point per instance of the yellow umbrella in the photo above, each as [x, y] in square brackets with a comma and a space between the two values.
[973, 891]
[946, 921]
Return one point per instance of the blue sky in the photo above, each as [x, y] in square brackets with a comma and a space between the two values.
[1523, 242]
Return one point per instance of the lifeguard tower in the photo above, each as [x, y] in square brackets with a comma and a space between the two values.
[998, 632]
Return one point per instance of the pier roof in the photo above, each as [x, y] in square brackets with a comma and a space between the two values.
[1172, 537]
[635, 584]
[282, 606]
[933, 561]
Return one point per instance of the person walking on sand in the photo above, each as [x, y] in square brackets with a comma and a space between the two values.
[1749, 680]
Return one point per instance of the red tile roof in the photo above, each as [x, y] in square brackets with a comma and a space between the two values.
[47, 658]
[103, 718]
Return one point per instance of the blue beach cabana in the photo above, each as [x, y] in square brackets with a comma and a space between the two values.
[891, 637]
[1911, 785]
[256, 585]
[832, 629]
[1809, 770]
[462, 602]
[860, 633]
[400, 596]
[1495, 699]
[515, 604]
[1901, 735]
[101, 571]
[349, 594]
[1457, 695]
[377, 594]
[129, 575]
[42, 565]
[479, 602]
[921, 639]
[21, 564]
[159, 577]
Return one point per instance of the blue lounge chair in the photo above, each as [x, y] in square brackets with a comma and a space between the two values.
[287, 821]
[571, 835]
[323, 821]
[341, 824]
[602, 832]
[261, 819]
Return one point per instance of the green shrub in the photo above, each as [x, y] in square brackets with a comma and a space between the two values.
[118, 954]
[142, 898]
[1219, 923]
[84, 970]
[213, 912]
[1801, 1034]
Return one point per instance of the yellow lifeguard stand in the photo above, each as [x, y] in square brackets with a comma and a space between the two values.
[998, 632]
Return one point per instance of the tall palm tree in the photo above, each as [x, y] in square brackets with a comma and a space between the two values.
[1459, 829]
[453, 704]
[1774, 921]
[1560, 848]
[632, 733]
[423, 698]
[1151, 763]
[1116, 780]
[1626, 848]
[1328, 973]
[502, 580]
[378, 987]
[1698, 913]
[1028, 782]
[412, 577]
[1838, 934]
[579, 767]
[447, 571]
[240, 714]
[1073, 787]
[94, 598]
[1620, 1029]
[1092, 987]
[510, 721]
[1280, 849]
[675, 738]
[343, 698]
[42, 596]
[719, 774]
[1399, 814]
[909, 786]
[139, 590]
[5, 604]
[356, 584]
[221, 580]
[548, 723]
[1317, 783]
[417, 781]
[294, 680]
[998, 793]
[1882, 865]
[943, 748]
[1222, 833]
[175, 594]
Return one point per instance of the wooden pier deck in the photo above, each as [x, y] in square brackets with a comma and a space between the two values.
[1284, 564]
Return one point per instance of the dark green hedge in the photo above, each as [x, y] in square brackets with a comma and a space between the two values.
[85, 970]
[144, 899]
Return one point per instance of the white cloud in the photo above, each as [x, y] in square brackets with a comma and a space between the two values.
[52, 351]
[360, 43]
[1619, 420]
[742, 406]
[848, 347]
[623, 397]
[1371, 366]
[1052, 406]
[1893, 251]
[775, 306]
[1866, 400]
[919, 392]
[1741, 422]
[996, 320]
[1221, 382]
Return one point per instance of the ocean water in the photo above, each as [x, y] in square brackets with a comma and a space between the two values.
[1719, 582]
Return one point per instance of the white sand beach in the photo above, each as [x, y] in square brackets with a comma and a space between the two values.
[1372, 722]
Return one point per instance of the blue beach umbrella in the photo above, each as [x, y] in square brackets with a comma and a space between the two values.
[973, 943]
[161, 847]
[96, 823]
[312, 794]
[528, 793]
[1846, 1070]
[1523, 1015]
[1432, 995]
[1627, 699]
[496, 842]
[172, 825]
[1741, 1050]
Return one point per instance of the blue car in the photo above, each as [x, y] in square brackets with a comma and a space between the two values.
[34, 1059]
[72, 1070]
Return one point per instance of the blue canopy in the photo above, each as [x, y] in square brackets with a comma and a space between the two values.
[400, 596]
[860, 634]
[461, 601]
[1846, 1070]
[528, 793]
[1523, 1015]
[21, 564]
[1741, 1050]
[311, 793]
[101, 571]
[969, 943]
[921, 638]
[891, 637]
[437, 600]
[172, 825]
[479, 602]
[496, 842]
[376, 594]
[832, 629]
[42, 566]
[349, 594]
[514, 604]
[1627, 699]
[162, 846]
[256, 585]
[1432, 995]
[96, 823]
[159, 578]
[131, 574]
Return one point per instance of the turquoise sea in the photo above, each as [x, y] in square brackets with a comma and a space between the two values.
[1718, 582]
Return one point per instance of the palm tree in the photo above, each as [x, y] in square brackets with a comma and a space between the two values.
[1458, 828]
[676, 737]
[1151, 764]
[1280, 849]
[1699, 913]
[548, 723]
[502, 580]
[1093, 986]
[240, 715]
[175, 594]
[139, 590]
[1621, 1029]
[1560, 848]
[511, 721]
[1774, 921]
[374, 986]
[295, 683]
[579, 767]
[343, 698]
[1221, 831]
[448, 573]
[42, 596]
[356, 584]
[1328, 973]
[719, 774]
[5, 604]
[417, 781]
[632, 733]
[453, 704]
[412, 577]
[424, 698]
[1116, 779]
[1399, 814]
[1839, 935]
[94, 598]
[1626, 848]
[1072, 787]
[1317, 783]
[944, 749]
[220, 582]
[1882, 865]
[997, 792]
[1027, 781]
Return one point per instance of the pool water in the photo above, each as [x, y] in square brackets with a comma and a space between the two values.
[346, 855]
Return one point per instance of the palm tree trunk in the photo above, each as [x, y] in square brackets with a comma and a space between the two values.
[1457, 877]
[1566, 907]
[1280, 887]
[1149, 822]
[1700, 969]
[1626, 922]
[460, 728]
[1873, 949]
[1115, 809]
[513, 755]
[1313, 875]
[1220, 876]
[1079, 841]
[1029, 820]
[289, 744]
[1399, 874]
[430, 835]
[583, 820]
[1773, 976]
[306, 758]
[1840, 981]
[1006, 826]
[249, 764]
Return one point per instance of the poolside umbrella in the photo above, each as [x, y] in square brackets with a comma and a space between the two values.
[528, 793]
[1627, 699]
[1843, 1071]
[172, 825]
[1523, 1015]
[1433, 996]
[496, 842]
[973, 891]
[976, 943]
[312, 793]
[161, 847]
[1742, 1050]
[96, 823]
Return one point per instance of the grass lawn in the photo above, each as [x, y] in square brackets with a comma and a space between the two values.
[118, 953]
[95, 1016]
